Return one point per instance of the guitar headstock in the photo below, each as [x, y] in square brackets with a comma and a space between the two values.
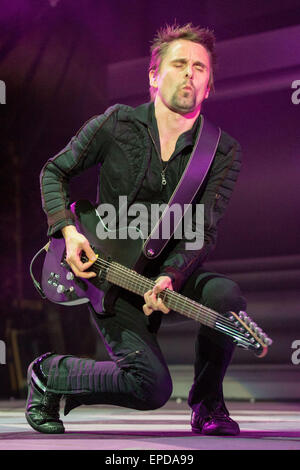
[252, 336]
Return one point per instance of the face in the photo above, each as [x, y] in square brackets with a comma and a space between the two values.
[183, 76]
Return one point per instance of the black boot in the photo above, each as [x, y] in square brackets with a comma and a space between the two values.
[42, 407]
[214, 421]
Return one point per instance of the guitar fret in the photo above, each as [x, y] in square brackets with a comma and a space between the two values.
[139, 284]
[133, 282]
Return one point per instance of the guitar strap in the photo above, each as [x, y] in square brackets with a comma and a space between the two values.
[201, 158]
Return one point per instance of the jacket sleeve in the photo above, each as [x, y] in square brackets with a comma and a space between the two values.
[86, 148]
[182, 262]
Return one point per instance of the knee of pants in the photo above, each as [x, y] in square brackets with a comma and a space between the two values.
[161, 396]
[156, 393]
[223, 295]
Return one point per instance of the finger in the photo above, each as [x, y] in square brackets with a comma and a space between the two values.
[91, 255]
[87, 275]
[147, 310]
[89, 263]
[157, 289]
[76, 270]
[83, 265]
[147, 295]
[74, 256]
[162, 307]
[154, 298]
[75, 260]
[156, 304]
[164, 282]
[86, 265]
[152, 302]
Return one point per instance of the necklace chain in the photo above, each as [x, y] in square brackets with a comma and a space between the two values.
[163, 178]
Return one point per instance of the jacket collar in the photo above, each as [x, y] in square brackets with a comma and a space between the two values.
[145, 114]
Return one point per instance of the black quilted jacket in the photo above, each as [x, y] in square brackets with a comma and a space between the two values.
[119, 142]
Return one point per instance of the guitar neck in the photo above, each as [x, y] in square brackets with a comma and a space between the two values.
[138, 284]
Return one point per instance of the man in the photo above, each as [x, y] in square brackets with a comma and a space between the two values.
[143, 153]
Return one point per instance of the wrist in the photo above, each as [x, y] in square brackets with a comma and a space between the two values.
[169, 275]
[68, 230]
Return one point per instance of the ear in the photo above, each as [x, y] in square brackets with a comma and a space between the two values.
[152, 79]
[207, 93]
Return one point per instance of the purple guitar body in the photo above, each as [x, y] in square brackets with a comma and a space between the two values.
[58, 282]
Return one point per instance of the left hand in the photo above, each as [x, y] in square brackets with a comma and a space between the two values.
[154, 303]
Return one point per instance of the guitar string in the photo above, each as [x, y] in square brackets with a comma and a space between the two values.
[196, 314]
[214, 316]
[210, 313]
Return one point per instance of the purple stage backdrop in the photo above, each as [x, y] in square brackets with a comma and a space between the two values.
[63, 61]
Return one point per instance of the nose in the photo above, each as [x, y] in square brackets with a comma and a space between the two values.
[189, 71]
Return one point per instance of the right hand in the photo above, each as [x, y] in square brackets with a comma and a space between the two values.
[75, 244]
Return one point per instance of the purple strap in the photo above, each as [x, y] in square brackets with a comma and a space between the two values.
[192, 178]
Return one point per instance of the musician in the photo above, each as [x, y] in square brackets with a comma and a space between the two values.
[142, 153]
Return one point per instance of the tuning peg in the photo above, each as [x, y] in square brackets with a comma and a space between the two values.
[258, 330]
[245, 318]
[268, 341]
[242, 315]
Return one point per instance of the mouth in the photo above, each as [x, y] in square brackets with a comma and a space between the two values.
[187, 87]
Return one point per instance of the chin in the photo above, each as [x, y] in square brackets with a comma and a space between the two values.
[183, 105]
[185, 109]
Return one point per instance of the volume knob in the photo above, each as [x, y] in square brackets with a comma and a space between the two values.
[70, 276]
[60, 289]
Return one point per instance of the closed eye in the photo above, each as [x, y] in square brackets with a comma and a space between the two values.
[180, 63]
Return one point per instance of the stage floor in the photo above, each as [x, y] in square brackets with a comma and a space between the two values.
[264, 425]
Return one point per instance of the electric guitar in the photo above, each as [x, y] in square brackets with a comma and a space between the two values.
[116, 267]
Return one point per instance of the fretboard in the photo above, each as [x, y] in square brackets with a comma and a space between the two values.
[138, 284]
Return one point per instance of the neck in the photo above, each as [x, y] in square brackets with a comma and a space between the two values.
[171, 123]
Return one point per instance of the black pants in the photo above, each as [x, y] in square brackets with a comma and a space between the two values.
[137, 376]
